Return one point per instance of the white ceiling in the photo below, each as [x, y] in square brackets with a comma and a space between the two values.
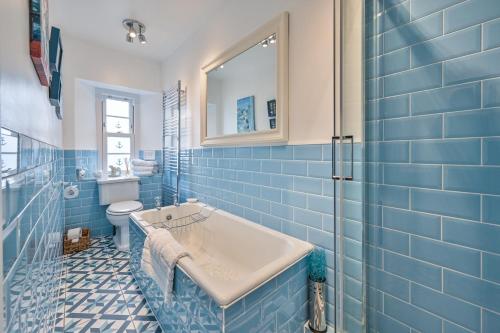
[168, 22]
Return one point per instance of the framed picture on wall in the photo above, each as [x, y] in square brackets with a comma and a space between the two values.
[272, 123]
[55, 58]
[245, 116]
[271, 108]
[39, 39]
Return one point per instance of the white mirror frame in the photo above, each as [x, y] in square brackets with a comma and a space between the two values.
[278, 26]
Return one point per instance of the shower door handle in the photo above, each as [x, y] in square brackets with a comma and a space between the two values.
[334, 155]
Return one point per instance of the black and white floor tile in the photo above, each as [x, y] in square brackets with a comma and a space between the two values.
[100, 294]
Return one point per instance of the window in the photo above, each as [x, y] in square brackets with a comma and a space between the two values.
[117, 131]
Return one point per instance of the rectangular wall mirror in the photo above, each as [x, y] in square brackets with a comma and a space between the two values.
[244, 97]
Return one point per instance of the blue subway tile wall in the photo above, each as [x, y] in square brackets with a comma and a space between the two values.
[286, 188]
[33, 223]
[432, 192]
[85, 210]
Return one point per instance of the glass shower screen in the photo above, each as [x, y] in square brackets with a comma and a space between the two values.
[347, 147]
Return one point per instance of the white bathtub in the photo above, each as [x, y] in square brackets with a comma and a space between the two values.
[230, 256]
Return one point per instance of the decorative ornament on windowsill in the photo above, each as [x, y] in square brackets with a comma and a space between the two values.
[115, 171]
[317, 291]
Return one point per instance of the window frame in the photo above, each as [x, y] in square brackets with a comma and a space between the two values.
[102, 135]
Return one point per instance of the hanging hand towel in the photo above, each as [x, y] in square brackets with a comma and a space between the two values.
[159, 257]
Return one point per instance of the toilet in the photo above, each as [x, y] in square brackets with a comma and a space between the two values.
[121, 194]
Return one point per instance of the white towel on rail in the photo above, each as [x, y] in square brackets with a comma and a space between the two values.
[159, 257]
[144, 170]
[141, 168]
[139, 162]
[143, 173]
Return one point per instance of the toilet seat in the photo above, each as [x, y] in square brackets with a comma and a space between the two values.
[124, 208]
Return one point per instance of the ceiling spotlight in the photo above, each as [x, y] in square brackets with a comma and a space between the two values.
[134, 29]
[142, 38]
[265, 43]
[272, 39]
[132, 33]
[221, 66]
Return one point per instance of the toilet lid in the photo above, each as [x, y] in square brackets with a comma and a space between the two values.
[124, 207]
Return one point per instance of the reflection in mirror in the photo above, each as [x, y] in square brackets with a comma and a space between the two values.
[10, 152]
[241, 93]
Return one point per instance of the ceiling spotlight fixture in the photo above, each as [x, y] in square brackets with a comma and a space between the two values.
[269, 41]
[221, 66]
[142, 38]
[134, 29]
[132, 33]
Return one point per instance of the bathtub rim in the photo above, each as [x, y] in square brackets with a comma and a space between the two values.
[226, 302]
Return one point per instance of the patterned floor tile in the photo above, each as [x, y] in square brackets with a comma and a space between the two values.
[127, 283]
[91, 265]
[146, 326]
[92, 281]
[100, 294]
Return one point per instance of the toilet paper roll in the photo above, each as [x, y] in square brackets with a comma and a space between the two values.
[75, 240]
[71, 192]
[74, 233]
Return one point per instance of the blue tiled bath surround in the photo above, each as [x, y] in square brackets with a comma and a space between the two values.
[289, 189]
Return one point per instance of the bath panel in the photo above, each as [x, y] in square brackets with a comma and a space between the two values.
[278, 305]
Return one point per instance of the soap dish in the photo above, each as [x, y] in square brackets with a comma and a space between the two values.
[192, 200]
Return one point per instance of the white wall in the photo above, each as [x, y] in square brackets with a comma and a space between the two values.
[150, 128]
[311, 61]
[87, 66]
[24, 102]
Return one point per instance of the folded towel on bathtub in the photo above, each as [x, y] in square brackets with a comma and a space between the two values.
[159, 258]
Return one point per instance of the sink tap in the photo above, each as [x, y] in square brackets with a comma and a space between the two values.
[158, 203]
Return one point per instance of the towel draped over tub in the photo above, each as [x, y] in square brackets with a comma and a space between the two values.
[159, 258]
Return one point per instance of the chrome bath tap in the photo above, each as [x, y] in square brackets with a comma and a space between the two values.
[176, 201]
[158, 203]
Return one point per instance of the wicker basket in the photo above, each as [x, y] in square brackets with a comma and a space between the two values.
[82, 244]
